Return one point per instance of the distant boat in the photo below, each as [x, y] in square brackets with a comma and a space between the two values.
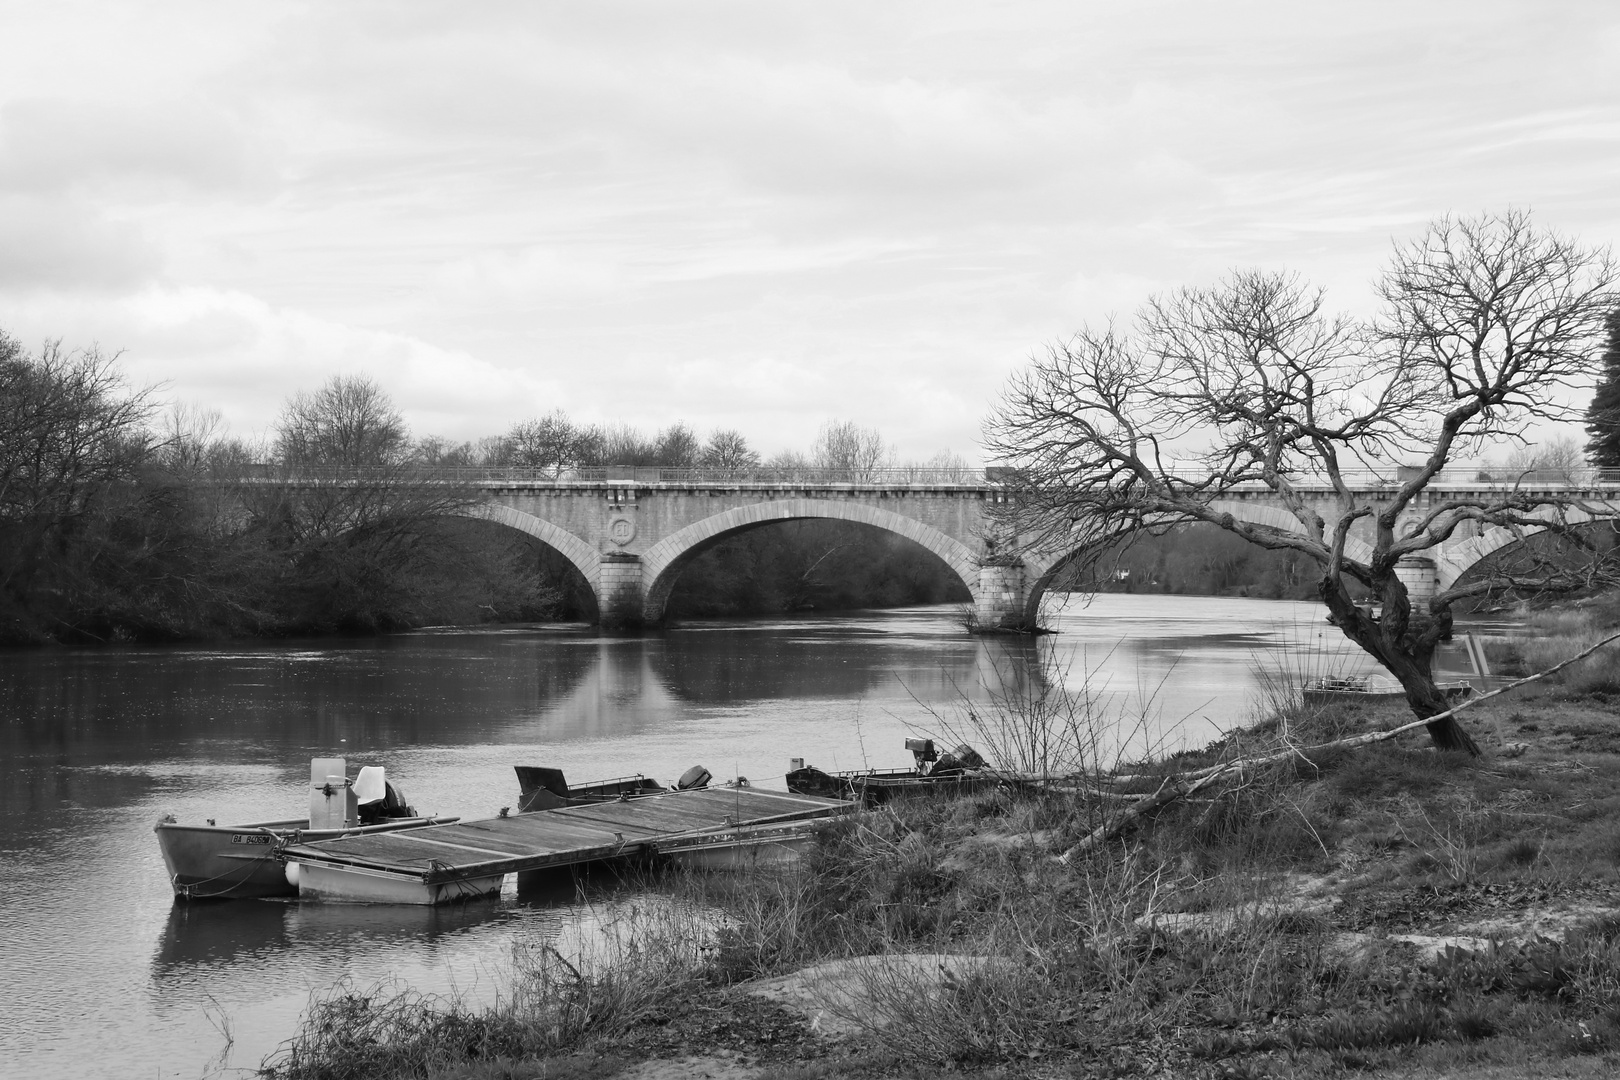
[231, 862]
[543, 788]
[961, 771]
[1365, 689]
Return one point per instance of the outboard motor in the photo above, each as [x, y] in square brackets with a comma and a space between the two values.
[923, 753]
[379, 798]
[695, 777]
[969, 757]
[395, 805]
[962, 758]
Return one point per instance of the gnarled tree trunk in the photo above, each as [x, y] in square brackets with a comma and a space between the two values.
[1405, 646]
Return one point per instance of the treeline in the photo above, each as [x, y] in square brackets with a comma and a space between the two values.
[121, 519]
[120, 522]
[557, 445]
[1201, 560]
[1206, 560]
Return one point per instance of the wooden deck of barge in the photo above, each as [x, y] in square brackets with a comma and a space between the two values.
[470, 858]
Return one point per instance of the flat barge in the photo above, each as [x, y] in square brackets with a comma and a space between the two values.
[443, 863]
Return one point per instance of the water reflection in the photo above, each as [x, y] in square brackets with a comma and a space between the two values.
[223, 934]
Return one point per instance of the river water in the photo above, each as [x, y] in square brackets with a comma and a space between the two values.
[108, 976]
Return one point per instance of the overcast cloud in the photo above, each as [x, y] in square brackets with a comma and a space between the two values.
[750, 215]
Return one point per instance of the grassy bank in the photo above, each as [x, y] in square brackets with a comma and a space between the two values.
[1387, 911]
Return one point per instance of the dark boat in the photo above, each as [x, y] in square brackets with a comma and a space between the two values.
[960, 771]
[543, 788]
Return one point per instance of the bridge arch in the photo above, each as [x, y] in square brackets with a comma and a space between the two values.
[1255, 513]
[662, 563]
[582, 555]
[1456, 559]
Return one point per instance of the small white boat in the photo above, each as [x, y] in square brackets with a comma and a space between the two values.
[229, 862]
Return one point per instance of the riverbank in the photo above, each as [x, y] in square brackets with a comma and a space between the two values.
[1389, 911]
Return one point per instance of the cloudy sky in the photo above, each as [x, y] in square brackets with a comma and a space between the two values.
[749, 214]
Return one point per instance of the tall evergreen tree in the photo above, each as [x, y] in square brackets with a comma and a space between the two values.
[1603, 417]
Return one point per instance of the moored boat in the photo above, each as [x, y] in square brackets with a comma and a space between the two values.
[1362, 689]
[961, 771]
[230, 862]
[544, 788]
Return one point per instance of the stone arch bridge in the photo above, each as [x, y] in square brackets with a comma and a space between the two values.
[630, 532]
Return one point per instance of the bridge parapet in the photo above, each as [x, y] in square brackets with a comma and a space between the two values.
[767, 476]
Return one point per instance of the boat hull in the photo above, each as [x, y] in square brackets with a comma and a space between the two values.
[1343, 694]
[740, 849]
[875, 787]
[240, 862]
[336, 884]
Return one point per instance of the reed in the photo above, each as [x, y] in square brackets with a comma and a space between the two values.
[645, 955]
[1045, 718]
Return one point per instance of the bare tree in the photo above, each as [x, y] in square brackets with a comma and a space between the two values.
[492, 451]
[728, 451]
[1559, 460]
[678, 446]
[853, 452]
[436, 451]
[949, 465]
[550, 442]
[67, 426]
[188, 438]
[349, 422]
[71, 438]
[617, 444]
[1251, 385]
[360, 526]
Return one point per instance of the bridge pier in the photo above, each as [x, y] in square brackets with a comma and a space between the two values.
[999, 601]
[619, 596]
[1421, 576]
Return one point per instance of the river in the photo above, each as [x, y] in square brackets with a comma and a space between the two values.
[110, 977]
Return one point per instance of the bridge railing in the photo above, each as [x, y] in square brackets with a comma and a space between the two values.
[660, 474]
[1456, 476]
[1357, 479]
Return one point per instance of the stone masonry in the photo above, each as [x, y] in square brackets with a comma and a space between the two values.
[631, 540]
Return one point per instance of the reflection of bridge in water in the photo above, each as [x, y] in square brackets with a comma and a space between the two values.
[630, 532]
[621, 687]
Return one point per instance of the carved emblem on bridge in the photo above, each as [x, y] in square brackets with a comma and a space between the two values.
[621, 530]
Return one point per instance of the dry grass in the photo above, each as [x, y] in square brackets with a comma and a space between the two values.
[647, 955]
[1553, 636]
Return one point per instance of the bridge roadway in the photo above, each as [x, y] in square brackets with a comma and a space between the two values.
[631, 531]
